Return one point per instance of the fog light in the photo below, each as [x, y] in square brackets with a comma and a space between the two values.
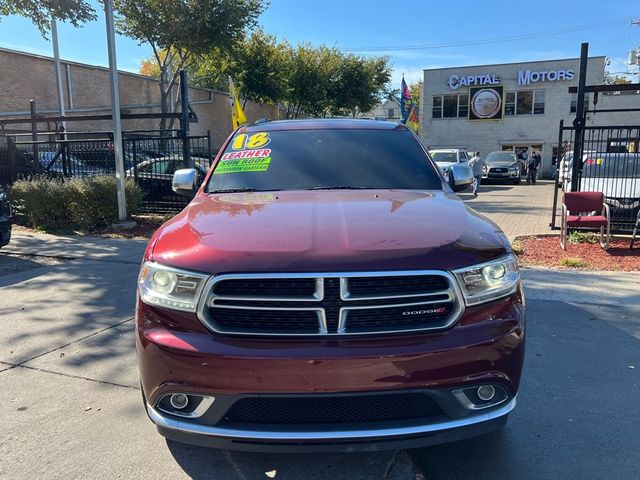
[485, 393]
[180, 400]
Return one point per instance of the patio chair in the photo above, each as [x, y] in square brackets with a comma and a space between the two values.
[585, 210]
[635, 230]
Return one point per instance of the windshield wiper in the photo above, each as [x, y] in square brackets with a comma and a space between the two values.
[244, 189]
[338, 187]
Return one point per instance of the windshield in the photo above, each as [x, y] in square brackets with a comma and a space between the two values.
[444, 157]
[501, 157]
[317, 159]
[612, 166]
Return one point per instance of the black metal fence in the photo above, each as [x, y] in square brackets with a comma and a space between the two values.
[148, 159]
[610, 163]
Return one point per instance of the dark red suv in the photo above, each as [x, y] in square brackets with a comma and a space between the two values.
[325, 289]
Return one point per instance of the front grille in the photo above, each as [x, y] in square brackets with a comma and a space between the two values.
[300, 321]
[330, 304]
[332, 409]
[410, 284]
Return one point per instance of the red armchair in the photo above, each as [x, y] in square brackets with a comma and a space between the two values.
[585, 210]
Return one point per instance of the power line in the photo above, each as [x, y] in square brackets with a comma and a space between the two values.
[490, 40]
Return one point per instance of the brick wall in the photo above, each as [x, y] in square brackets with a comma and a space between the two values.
[25, 76]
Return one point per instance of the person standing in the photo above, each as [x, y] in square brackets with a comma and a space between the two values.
[476, 163]
[532, 168]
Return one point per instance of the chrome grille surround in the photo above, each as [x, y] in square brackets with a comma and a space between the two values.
[348, 302]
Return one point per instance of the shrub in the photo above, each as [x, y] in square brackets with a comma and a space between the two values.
[573, 262]
[583, 237]
[80, 203]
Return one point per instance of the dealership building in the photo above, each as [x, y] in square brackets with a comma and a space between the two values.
[513, 106]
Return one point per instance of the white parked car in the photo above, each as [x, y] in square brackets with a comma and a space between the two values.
[445, 158]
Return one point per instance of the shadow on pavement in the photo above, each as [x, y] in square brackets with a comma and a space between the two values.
[205, 463]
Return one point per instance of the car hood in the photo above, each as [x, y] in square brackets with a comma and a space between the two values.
[499, 163]
[299, 231]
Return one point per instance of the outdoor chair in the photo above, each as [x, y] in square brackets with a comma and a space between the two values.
[585, 210]
[635, 230]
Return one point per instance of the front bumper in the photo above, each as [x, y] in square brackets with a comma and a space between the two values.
[177, 354]
[399, 437]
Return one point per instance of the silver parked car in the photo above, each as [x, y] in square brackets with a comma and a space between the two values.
[503, 166]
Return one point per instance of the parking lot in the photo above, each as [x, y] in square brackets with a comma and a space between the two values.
[71, 407]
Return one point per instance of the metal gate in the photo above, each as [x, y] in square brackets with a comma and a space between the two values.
[609, 163]
[600, 158]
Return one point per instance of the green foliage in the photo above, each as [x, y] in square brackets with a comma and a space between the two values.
[518, 247]
[179, 31]
[40, 12]
[582, 237]
[573, 262]
[416, 92]
[83, 203]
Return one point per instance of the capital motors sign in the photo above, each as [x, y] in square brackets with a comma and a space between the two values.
[527, 77]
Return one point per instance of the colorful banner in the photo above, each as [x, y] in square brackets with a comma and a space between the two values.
[237, 115]
[486, 103]
[408, 109]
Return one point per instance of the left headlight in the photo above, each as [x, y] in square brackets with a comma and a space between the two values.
[488, 281]
[170, 287]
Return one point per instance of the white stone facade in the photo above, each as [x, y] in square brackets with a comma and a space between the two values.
[535, 131]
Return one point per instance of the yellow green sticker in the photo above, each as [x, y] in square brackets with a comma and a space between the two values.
[238, 165]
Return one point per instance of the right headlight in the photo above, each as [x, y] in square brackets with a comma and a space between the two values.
[170, 287]
[488, 281]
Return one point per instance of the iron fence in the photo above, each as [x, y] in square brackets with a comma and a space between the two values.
[610, 163]
[149, 160]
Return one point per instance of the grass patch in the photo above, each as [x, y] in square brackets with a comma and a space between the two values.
[518, 247]
[573, 262]
[583, 237]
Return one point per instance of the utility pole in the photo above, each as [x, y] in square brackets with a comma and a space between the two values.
[115, 108]
[56, 61]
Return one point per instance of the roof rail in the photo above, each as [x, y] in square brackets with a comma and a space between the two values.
[261, 120]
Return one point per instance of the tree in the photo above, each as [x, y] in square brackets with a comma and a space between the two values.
[416, 91]
[41, 12]
[361, 84]
[615, 79]
[262, 68]
[183, 30]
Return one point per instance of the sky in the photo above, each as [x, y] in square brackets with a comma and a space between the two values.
[415, 35]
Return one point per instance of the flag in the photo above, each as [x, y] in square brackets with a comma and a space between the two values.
[237, 115]
[409, 113]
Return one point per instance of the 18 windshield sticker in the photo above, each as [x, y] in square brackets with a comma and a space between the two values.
[248, 154]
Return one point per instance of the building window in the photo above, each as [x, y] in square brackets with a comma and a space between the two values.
[526, 102]
[574, 102]
[450, 106]
[391, 113]
[538, 102]
[463, 106]
[437, 107]
[510, 103]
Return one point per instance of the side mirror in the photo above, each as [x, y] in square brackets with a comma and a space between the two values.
[185, 181]
[462, 175]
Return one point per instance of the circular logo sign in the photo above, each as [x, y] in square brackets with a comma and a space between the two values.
[486, 103]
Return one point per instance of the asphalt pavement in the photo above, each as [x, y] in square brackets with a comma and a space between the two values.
[70, 405]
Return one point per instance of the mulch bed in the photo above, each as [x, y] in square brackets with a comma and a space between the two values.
[545, 251]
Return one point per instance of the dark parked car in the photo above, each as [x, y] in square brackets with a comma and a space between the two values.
[503, 166]
[5, 219]
[325, 289]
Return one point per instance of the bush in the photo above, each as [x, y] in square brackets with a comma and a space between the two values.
[80, 203]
